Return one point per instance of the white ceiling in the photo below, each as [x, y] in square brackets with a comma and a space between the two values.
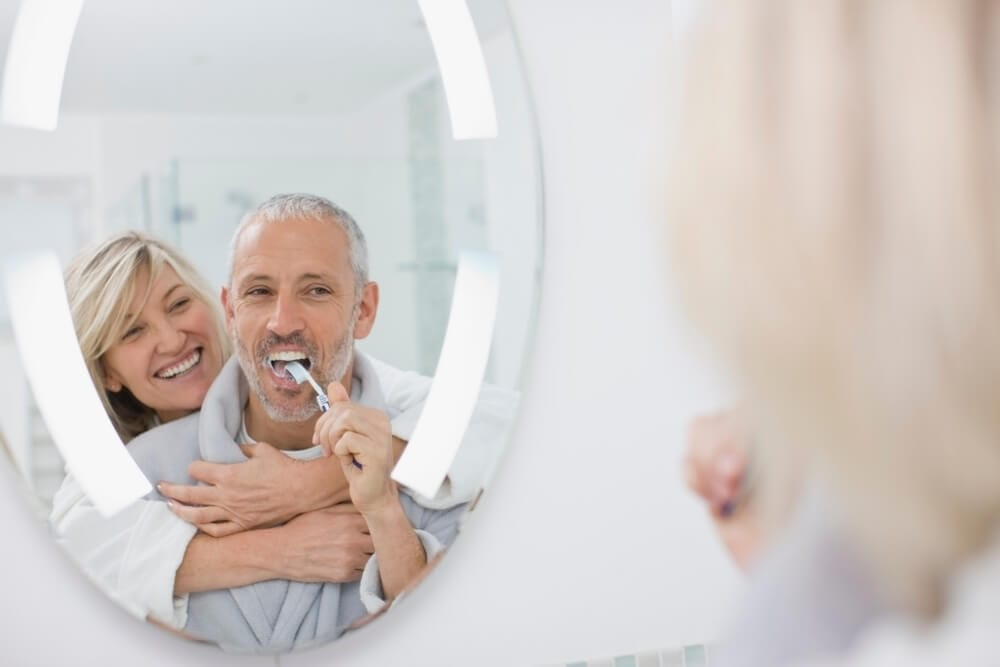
[245, 56]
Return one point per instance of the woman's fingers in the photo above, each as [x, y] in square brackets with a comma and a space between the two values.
[717, 456]
[189, 494]
[220, 529]
[200, 515]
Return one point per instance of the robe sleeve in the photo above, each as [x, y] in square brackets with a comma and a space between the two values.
[133, 556]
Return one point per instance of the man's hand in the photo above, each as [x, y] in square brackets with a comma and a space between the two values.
[716, 467]
[361, 439]
[331, 544]
[266, 490]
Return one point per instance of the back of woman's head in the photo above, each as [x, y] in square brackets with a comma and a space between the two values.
[101, 284]
[834, 231]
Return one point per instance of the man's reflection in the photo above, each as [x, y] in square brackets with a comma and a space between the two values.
[298, 282]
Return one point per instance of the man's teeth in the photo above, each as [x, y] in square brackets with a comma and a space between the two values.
[286, 356]
[183, 366]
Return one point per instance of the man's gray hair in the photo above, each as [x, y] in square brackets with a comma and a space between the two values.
[309, 207]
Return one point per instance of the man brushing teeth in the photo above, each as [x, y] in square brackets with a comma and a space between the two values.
[299, 291]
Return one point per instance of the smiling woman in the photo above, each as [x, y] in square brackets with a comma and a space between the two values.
[178, 128]
[169, 319]
[147, 331]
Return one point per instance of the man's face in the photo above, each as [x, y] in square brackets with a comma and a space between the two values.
[292, 297]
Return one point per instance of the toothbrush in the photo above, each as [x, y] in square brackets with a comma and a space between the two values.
[299, 373]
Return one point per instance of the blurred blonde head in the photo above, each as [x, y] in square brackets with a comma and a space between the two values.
[100, 284]
[834, 232]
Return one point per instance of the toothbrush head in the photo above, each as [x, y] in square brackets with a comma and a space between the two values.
[299, 373]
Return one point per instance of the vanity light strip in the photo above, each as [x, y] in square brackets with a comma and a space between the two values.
[36, 62]
[463, 68]
[67, 400]
[458, 378]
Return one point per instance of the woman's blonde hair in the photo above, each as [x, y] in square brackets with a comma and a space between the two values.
[834, 231]
[100, 284]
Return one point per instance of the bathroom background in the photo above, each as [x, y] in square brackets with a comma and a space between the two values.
[588, 545]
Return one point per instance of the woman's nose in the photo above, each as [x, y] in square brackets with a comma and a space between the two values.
[171, 338]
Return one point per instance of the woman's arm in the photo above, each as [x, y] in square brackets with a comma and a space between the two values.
[145, 557]
[132, 556]
[266, 490]
[330, 545]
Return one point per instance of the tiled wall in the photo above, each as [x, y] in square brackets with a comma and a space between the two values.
[695, 655]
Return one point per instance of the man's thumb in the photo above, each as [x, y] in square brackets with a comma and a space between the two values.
[336, 393]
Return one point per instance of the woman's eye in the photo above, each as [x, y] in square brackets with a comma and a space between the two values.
[132, 332]
[180, 303]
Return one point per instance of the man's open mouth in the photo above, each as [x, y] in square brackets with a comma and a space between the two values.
[277, 361]
[182, 367]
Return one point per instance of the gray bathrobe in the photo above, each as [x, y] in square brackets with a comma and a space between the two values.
[278, 615]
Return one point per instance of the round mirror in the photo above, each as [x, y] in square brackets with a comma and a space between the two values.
[182, 121]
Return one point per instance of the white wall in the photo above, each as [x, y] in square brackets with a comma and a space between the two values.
[587, 544]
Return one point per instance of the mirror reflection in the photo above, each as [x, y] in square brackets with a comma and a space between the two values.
[260, 214]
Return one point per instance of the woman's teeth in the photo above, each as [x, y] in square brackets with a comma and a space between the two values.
[180, 368]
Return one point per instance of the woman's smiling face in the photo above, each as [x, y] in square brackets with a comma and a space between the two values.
[170, 355]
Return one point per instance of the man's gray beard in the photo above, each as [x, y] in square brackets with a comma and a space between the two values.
[334, 371]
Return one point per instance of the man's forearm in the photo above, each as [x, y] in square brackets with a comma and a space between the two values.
[212, 563]
[401, 556]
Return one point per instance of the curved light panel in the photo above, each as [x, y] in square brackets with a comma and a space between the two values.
[463, 69]
[458, 378]
[46, 340]
[36, 62]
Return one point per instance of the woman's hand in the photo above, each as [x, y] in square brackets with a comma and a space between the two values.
[716, 468]
[266, 490]
[331, 544]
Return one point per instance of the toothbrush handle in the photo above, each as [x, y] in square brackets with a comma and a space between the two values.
[324, 406]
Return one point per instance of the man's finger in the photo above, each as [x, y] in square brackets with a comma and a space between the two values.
[353, 445]
[330, 431]
[346, 418]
